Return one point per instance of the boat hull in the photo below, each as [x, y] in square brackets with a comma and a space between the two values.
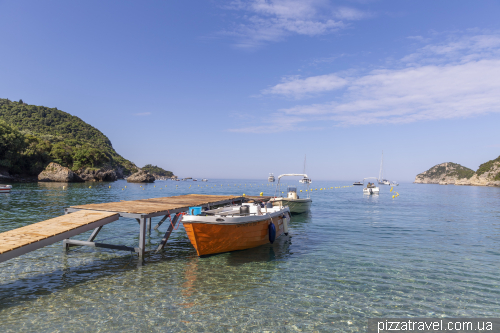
[296, 206]
[372, 190]
[5, 188]
[210, 238]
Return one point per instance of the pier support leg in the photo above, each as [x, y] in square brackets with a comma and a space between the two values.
[149, 226]
[94, 234]
[161, 222]
[142, 240]
[167, 234]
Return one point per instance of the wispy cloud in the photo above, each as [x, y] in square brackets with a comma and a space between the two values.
[142, 114]
[272, 20]
[297, 87]
[462, 80]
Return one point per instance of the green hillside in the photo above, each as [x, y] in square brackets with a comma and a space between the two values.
[156, 170]
[32, 136]
[488, 167]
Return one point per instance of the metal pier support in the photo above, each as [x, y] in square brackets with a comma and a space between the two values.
[167, 234]
[74, 242]
[142, 239]
[67, 243]
[161, 222]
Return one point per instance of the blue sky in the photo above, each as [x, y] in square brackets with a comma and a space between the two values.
[239, 89]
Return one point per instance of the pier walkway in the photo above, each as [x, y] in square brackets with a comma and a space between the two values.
[82, 218]
[19, 241]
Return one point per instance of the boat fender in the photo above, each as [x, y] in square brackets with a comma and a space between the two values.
[286, 220]
[272, 232]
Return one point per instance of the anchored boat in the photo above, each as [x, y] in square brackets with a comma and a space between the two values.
[305, 180]
[271, 178]
[5, 188]
[236, 227]
[296, 204]
[370, 187]
[381, 180]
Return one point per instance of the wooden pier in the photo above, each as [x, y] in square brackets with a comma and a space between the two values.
[82, 218]
[19, 241]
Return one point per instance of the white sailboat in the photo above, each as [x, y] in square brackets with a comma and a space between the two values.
[381, 180]
[305, 180]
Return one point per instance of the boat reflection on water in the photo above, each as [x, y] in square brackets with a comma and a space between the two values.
[228, 275]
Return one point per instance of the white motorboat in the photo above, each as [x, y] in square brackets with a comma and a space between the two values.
[204, 180]
[393, 183]
[357, 183]
[370, 187]
[296, 204]
[5, 188]
[271, 178]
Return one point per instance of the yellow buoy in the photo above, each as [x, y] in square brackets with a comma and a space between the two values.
[393, 196]
[65, 186]
[301, 190]
[390, 190]
[243, 194]
[110, 186]
[90, 186]
[261, 194]
[125, 186]
[123, 189]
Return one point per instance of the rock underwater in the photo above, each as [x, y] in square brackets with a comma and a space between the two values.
[141, 177]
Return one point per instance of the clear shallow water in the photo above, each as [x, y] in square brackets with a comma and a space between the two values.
[434, 251]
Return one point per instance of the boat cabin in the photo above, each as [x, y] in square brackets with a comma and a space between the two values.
[292, 193]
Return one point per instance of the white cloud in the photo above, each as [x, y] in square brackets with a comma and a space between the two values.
[297, 87]
[346, 13]
[272, 20]
[465, 84]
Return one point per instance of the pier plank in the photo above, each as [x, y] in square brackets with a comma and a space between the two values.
[155, 205]
[47, 232]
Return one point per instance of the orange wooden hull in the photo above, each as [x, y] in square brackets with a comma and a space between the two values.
[210, 238]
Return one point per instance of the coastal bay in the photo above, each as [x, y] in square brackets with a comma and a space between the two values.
[429, 252]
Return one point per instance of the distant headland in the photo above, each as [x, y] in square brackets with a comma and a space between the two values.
[33, 137]
[450, 173]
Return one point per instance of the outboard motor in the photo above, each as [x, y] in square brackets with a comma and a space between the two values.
[244, 210]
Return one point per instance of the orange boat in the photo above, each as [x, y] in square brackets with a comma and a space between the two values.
[236, 227]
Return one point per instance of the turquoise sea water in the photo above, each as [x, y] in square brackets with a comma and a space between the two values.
[434, 251]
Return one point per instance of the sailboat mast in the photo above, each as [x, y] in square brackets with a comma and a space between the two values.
[381, 173]
[305, 156]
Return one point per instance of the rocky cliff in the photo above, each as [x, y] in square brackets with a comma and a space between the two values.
[449, 173]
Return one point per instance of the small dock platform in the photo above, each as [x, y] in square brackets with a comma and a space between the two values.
[82, 218]
[19, 241]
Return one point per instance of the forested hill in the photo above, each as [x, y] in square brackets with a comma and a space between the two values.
[32, 136]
